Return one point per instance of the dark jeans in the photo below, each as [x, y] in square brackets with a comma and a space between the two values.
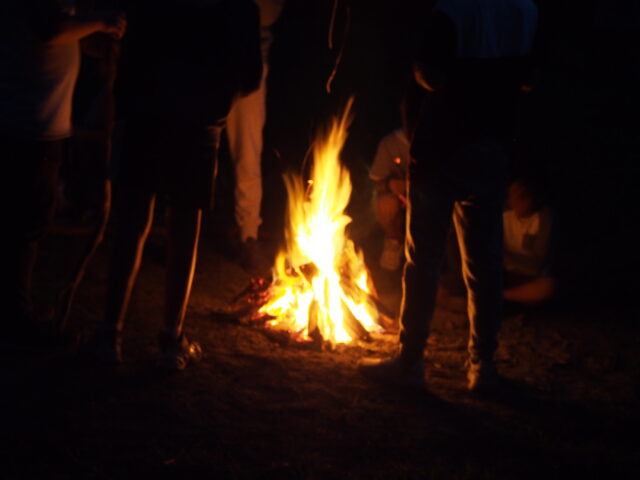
[471, 194]
[36, 165]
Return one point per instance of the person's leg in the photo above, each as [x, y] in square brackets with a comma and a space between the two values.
[389, 213]
[37, 166]
[533, 292]
[134, 212]
[183, 232]
[245, 124]
[478, 225]
[429, 217]
[429, 221]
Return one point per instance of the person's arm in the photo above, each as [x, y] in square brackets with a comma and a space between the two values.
[438, 50]
[381, 186]
[100, 45]
[397, 186]
[73, 28]
[55, 26]
[542, 245]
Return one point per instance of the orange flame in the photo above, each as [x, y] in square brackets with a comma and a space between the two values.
[320, 279]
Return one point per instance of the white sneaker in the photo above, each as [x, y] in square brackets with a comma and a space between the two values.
[392, 254]
[177, 353]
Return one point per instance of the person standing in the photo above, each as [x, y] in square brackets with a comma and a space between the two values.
[244, 127]
[39, 64]
[183, 63]
[473, 63]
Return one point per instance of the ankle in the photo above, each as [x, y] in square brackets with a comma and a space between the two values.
[171, 333]
[409, 358]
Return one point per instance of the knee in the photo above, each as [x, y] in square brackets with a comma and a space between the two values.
[181, 217]
[547, 288]
[134, 214]
[535, 292]
[388, 208]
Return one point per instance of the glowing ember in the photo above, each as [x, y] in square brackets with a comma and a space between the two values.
[320, 280]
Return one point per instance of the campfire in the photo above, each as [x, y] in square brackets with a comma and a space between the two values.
[321, 289]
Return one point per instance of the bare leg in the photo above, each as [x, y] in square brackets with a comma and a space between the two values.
[135, 223]
[183, 231]
[390, 216]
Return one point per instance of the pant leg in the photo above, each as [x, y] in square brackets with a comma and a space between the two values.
[478, 224]
[479, 228]
[245, 123]
[37, 168]
[429, 220]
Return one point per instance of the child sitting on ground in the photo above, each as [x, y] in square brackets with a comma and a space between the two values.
[388, 172]
[527, 245]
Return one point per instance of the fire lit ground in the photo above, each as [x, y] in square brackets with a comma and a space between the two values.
[260, 406]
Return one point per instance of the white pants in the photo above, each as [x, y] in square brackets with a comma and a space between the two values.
[245, 123]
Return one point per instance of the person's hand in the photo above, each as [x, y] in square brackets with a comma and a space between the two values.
[100, 45]
[397, 186]
[114, 23]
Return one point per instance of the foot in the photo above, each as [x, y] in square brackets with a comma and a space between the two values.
[482, 376]
[29, 330]
[177, 353]
[251, 255]
[392, 254]
[395, 371]
[107, 347]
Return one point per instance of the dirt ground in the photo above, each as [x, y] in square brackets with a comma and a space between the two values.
[257, 407]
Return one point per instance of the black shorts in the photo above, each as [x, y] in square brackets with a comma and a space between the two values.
[35, 168]
[176, 160]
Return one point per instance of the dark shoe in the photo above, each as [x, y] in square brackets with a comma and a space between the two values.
[395, 371]
[482, 376]
[107, 347]
[251, 255]
[177, 353]
[30, 331]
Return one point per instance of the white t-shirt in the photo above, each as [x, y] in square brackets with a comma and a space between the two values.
[36, 80]
[527, 242]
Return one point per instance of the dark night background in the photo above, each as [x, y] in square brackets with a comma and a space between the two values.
[259, 407]
[579, 126]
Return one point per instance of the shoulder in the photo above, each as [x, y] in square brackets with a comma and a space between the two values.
[508, 216]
